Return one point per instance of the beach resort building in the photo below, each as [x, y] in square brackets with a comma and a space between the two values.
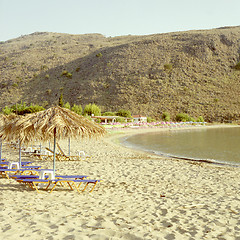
[139, 118]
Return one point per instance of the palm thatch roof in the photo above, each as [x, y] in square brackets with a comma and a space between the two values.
[45, 125]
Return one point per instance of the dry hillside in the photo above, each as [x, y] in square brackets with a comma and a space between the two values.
[191, 72]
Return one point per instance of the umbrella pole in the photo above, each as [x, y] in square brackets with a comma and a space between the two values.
[1, 150]
[54, 152]
[69, 153]
[20, 161]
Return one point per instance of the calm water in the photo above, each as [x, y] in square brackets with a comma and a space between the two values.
[219, 144]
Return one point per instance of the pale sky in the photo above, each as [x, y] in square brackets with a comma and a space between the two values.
[114, 17]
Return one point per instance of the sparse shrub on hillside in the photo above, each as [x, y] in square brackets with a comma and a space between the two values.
[66, 74]
[3, 85]
[166, 116]
[99, 55]
[15, 85]
[182, 117]
[168, 66]
[47, 76]
[237, 66]
[77, 69]
[44, 67]
[19, 79]
[49, 91]
[69, 75]
[92, 109]
[77, 109]
[124, 113]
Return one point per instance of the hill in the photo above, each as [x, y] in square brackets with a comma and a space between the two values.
[191, 72]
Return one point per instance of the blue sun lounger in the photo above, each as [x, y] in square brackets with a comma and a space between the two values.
[6, 172]
[22, 177]
[5, 164]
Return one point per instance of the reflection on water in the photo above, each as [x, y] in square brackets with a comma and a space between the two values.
[219, 144]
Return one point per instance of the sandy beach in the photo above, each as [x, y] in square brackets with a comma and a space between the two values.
[142, 196]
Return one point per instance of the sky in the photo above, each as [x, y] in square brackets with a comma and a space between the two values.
[114, 17]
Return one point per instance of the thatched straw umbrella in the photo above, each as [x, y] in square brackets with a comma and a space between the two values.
[6, 119]
[54, 123]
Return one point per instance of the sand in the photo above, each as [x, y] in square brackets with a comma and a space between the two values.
[142, 196]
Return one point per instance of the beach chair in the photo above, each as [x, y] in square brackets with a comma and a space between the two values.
[58, 156]
[51, 184]
[30, 170]
[45, 154]
[65, 156]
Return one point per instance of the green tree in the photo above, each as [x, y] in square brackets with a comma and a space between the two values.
[60, 101]
[166, 116]
[92, 109]
[200, 119]
[67, 105]
[182, 117]
[124, 113]
[77, 109]
[7, 110]
[109, 114]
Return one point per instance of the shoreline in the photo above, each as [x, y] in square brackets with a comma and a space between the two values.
[132, 132]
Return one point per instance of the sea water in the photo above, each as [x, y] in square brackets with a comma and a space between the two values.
[220, 145]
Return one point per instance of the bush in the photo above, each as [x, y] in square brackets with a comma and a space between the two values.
[182, 117]
[92, 109]
[124, 113]
[149, 120]
[200, 119]
[166, 116]
[48, 91]
[15, 85]
[69, 75]
[67, 105]
[120, 119]
[237, 67]
[66, 74]
[99, 55]
[34, 108]
[7, 110]
[22, 109]
[77, 109]
[168, 66]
